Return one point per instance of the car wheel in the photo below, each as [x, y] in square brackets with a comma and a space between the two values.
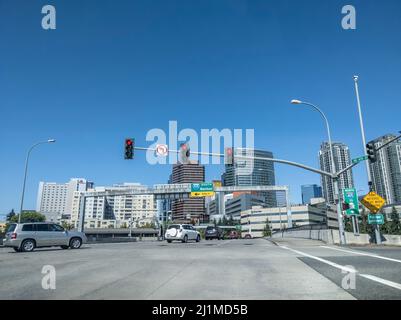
[185, 240]
[17, 249]
[27, 245]
[75, 243]
[64, 247]
[169, 241]
[198, 238]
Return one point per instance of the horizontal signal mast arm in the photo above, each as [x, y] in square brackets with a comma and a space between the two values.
[291, 163]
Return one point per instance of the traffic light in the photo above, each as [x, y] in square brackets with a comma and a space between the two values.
[229, 156]
[129, 149]
[185, 153]
[371, 152]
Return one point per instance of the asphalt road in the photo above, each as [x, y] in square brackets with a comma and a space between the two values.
[230, 269]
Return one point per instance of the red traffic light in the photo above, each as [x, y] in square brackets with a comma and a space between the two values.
[128, 142]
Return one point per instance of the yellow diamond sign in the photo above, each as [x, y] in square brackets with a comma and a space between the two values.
[373, 202]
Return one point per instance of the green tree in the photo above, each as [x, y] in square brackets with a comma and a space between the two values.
[348, 224]
[395, 224]
[266, 230]
[29, 216]
[66, 225]
[224, 221]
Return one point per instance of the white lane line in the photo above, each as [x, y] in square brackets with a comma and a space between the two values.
[363, 254]
[382, 281]
[335, 265]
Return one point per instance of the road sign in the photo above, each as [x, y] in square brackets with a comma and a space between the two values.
[162, 150]
[351, 198]
[202, 194]
[376, 219]
[201, 190]
[373, 202]
[360, 159]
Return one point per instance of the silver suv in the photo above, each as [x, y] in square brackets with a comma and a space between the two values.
[24, 237]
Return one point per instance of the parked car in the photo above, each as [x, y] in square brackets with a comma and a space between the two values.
[182, 232]
[25, 237]
[233, 234]
[212, 232]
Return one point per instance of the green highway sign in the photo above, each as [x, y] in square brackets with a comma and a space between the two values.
[351, 199]
[202, 190]
[360, 159]
[376, 219]
[202, 187]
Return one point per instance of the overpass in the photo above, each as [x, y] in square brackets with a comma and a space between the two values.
[177, 191]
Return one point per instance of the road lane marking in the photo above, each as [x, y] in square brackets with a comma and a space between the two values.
[338, 266]
[382, 281]
[363, 254]
[335, 265]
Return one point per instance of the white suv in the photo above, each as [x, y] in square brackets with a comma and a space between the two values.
[182, 232]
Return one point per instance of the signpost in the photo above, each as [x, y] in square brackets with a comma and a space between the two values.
[162, 150]
[373, 202]
[351, 198]
[202, 190]
[376, 219]
[360, 159]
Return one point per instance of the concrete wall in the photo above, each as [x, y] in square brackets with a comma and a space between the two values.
[332, 237]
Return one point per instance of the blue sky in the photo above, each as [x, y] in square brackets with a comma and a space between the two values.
[114, 69]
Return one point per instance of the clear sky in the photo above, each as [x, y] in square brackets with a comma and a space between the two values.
[114, 69]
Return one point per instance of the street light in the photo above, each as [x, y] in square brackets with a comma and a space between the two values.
[26, 172]
[333, 169]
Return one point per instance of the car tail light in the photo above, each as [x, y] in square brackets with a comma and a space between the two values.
[13, 235]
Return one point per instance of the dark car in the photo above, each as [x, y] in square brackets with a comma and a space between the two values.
[213, 233]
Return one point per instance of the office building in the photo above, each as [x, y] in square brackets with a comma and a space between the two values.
[118, 210]
[342, 159]
[187, 210]
[386, 171]
[254, 220]
[249, 172]
[309, 192]
[243, 202]
[54, 200]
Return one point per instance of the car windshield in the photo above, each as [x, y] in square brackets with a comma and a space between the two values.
[11, 227]
[210, 228]
[174, 226]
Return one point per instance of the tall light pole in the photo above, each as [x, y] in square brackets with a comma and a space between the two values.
[356, 78]
[26, 172]
[333, 170]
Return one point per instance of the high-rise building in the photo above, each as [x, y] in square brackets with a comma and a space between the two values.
[249, 172]
[310, 191]
[121, 208]
[54, 200]
[185, 210]
[386, 171]
[342, 159]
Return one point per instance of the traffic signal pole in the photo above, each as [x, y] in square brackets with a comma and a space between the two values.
[370, 183]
